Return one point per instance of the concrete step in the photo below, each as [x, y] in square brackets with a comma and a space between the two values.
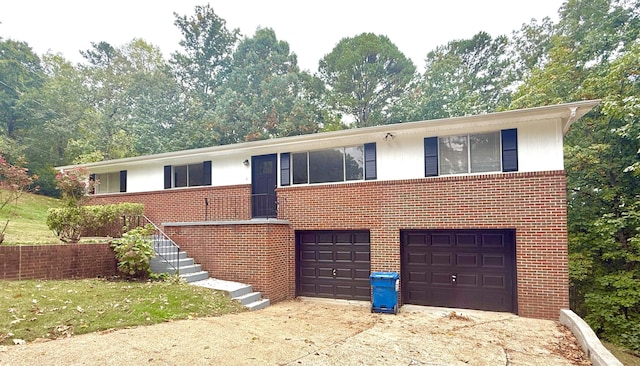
[257, 305]
[195, 276]
[170, 255]
[248, 298]
[233, 289]
[237, 291]
[182, 269]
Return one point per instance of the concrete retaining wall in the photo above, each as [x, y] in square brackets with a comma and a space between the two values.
[596, 352]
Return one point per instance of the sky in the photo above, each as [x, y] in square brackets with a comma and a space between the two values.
[312, 28]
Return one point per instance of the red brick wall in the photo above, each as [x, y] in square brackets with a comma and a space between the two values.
[188, 205]
[260, 254]
[534, 204]
[60, 261]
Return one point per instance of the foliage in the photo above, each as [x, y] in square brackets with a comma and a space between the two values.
[266, 95]
[594, 54]
[14, 182]
[20, 72]
[66, 223]
[365, 75]
[467, 76]
[75, 184]
[134, 250]
[69, 223]
[207, 48]
[31, 309]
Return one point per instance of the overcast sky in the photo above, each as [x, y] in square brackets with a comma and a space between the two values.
[312, 28]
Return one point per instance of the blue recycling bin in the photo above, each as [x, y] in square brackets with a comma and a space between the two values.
[384, 286]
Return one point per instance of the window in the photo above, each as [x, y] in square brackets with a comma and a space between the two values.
[111, 182]
[191, 175]
[330, 165]
[474, 153]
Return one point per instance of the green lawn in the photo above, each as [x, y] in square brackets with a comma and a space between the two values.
[28, 220]
[52, 309]
[622, 355]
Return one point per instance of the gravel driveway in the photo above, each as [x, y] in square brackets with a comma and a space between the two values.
[311, 332]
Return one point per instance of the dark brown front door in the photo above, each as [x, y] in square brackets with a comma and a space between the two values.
[472, 269]
[333, 264]
[263, 186]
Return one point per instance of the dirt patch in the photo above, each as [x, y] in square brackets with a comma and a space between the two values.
[318, 333]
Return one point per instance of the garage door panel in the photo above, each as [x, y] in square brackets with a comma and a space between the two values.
[440, 240]
[441, 278]
[466, 280]
[481, 261]
[362, 256]
[342, 264]
[441, 259]
[493, 241]
[467, 260]
[494, 281]
[415, 258]
[493, 261]
[466, 240]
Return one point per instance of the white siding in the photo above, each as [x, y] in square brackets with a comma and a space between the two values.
[145, 178]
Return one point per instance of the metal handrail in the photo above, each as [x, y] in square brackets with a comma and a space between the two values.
[165, 247]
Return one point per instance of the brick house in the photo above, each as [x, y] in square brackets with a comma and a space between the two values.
[471, 211]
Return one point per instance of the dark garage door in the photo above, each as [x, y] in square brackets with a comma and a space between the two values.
[472, 269]
[333, 264]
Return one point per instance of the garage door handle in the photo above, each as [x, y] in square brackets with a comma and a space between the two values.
[454, 278]
[334, 272]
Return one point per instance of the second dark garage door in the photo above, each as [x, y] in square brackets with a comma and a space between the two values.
[472, 269]
[333, 264]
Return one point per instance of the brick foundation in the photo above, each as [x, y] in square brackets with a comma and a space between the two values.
[260, 254]
[57, 261]
[534, 204]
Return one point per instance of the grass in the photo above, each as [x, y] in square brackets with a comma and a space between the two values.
[622, 355]
[28, 220]
[53, 309]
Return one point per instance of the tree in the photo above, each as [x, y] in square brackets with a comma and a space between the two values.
[20, 71]
[468, 76]
[365, 76]
[206, 60]
[594, 54]
[266, 94]
[60, 112]
[14, 182]
[135, 99]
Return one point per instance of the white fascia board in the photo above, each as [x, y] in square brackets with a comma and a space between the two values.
[567, 113]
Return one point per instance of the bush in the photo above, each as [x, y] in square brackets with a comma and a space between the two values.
[66, 223]
[69, 223]
[134, 250]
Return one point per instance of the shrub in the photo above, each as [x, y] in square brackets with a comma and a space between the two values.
[66, 223]
[134, 250]
[69, 223]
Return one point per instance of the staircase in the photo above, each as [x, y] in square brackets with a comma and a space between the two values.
[170, 259]
[239, 292]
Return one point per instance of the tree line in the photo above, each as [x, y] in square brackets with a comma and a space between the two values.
[222, 87]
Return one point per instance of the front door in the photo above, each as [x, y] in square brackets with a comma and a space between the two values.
[263, 185]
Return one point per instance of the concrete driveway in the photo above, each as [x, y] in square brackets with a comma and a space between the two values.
[306, 332]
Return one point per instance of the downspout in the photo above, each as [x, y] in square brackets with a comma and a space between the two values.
[571, 119]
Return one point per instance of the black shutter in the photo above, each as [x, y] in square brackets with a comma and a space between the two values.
[92, 178]
[431, 157]
[510, 150]
[167, 176]
[370, 169]
[206, 173]
[285, 169]
[123, 181]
